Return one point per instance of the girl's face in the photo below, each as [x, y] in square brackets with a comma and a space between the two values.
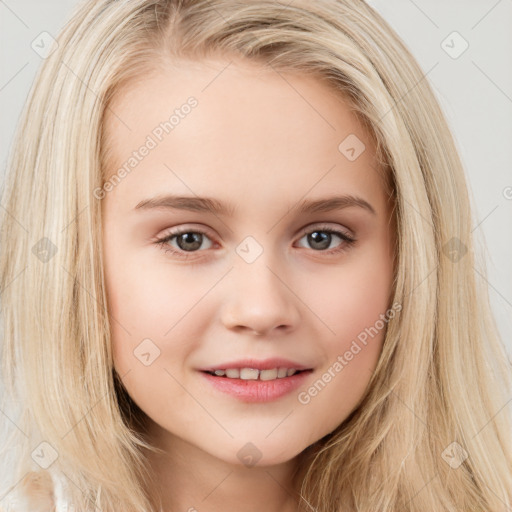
[270, 176]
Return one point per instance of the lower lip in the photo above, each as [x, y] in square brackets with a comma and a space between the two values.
[257, 390]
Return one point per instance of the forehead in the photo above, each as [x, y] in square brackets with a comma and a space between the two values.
[252, 129]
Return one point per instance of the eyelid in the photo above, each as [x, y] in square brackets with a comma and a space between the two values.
[185, 228]
[347, 238]
[322, 226]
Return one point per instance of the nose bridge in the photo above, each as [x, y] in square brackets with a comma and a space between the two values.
[258, 298]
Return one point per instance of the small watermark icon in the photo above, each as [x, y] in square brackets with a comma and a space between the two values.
[249, 455]
[454, 249]
[44, 249]
[454, 455]
[249, 249]
[352, 147]
[454, 45]
[147, 352]
[44, 45]
[44, 455]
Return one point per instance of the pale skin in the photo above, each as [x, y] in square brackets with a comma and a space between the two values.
[261, 142]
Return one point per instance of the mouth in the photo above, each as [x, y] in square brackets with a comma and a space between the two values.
[255, 374]
[253, 385]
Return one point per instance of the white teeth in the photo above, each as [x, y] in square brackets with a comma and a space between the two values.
[268, 374]
[249, 374]
[254, 374]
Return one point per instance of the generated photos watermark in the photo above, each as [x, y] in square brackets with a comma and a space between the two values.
[344, 359]
[153, 139]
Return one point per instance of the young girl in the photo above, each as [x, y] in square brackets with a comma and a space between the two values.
[237, 272]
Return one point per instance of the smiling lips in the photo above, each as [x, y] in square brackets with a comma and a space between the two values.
[257, 390]
[252, 369]
[250, 380]
[254, 373]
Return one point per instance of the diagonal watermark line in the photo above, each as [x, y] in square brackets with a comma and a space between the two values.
[427, 276]
[216, 76]
[288, 492]
[405, 405]
[76, 217]
[219, 14]
[14, 218]
[13, 487]
[494, 416]
[109, 314]
[14, 76]
[87, 86]
[495, 289]
[216, 487]
[16, 277]
[279, 423]
[269, 64]
[429, 221]
[427, 484]
[412, 410]
[91, 408]
[14, 423]
[312, 187]
[82, 491]
[414, 413]
[3, 3]
[492, 81]
[182, 181]
[478, 22]
[199, 403]
[492, 211]
[424, 14]
[213, 286]
[508, 509]
[301, 300]
[412, 88]
[303, 97]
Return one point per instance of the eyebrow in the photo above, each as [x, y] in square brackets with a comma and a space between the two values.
[211, 205]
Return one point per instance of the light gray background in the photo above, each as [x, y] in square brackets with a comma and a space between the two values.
[474, 89]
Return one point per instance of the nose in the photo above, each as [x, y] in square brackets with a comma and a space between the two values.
[259, 300]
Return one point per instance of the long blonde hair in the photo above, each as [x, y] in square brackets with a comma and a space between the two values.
[432, 431]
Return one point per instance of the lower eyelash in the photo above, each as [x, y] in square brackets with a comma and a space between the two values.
[349, 241]
[162, 243]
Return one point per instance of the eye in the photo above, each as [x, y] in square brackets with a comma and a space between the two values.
[321, 237]
[187, 240]
[191, 240]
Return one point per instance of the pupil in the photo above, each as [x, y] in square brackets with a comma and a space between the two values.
[324, 237]
[192, 241]
[190, 238]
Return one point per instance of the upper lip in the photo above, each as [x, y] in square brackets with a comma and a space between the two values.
[265, 364]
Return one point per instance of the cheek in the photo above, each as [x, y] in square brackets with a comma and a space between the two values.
[352, 306]
[148, 320]
[355, 297]
[156, 303]
[148, 299]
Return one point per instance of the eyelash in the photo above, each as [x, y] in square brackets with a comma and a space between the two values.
[349, 241]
